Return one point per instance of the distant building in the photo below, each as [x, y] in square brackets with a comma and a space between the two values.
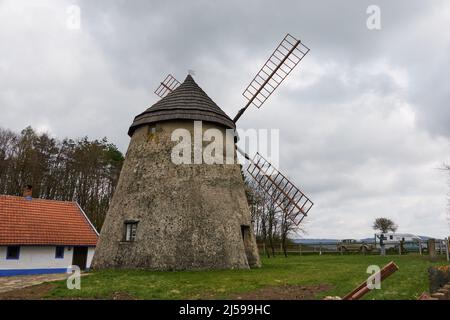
[392, 237]
[43, 236]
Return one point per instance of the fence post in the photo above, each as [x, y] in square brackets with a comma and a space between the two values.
[400, 248]
[432, 248]
[320, 248]
[264, 248]
[447, 247]
[420, 247]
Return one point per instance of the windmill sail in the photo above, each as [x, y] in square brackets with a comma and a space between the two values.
[285, 194]
[167, 86]
[282, 61]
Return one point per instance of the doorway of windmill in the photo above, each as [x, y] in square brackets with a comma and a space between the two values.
[246, 238]
[80, 257]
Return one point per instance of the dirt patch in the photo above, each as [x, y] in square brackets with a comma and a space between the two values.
[122, 296]
[284, 292]
[40, 292]
[36, 292]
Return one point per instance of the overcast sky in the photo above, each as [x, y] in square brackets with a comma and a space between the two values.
[364, 119]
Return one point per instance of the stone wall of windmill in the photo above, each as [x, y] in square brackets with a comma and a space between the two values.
[189, 216]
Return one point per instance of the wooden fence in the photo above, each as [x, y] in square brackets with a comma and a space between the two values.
[319, 248]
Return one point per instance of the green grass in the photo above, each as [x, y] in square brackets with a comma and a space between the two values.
[343, 273]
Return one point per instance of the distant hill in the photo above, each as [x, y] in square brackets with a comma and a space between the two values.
[311, 241]
[335, 241]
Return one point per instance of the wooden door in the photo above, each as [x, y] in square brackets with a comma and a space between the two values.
[80, 257]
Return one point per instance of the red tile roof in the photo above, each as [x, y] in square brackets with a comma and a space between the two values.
[44, 222]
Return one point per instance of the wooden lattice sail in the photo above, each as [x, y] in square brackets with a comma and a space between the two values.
[167, 86]
[285, 194]
[282, 61]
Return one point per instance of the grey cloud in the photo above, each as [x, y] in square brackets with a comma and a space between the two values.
[356, 138]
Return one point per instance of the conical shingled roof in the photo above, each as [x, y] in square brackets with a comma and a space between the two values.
[188, 102]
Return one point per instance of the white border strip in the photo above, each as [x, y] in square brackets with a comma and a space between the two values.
[87, 219]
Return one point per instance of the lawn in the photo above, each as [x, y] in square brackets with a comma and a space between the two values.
[339, 274]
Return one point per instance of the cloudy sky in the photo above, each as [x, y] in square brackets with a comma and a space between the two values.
[364, 120]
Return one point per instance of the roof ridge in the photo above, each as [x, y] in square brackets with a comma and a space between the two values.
[189, 97]
[39, 199]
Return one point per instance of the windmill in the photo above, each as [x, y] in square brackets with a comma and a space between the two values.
[278, 66]
[169, 216]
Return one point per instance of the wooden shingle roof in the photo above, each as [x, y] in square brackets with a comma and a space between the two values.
[44, 222]
[187, 102]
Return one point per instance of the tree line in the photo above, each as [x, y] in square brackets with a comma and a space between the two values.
[79, 169]
[272, 226]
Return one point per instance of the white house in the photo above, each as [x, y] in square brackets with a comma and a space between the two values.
[40, 236]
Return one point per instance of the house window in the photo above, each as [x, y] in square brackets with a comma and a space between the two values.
[13, 252]
[59, 252]
[130, 230]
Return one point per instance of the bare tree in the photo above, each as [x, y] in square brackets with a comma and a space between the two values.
[384, 225]
[273, 226]
[261, 214]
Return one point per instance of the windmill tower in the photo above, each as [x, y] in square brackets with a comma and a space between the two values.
[167, 216]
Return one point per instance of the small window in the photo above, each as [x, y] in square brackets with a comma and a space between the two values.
[152, 136]
[13, 253]
[59, 252]
[130, 230]
[391, 237]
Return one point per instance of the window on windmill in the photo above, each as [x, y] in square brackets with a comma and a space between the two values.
[130, 230]
[152, 133]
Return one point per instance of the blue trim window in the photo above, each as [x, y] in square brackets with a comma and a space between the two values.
[59, 252]
[12, 252]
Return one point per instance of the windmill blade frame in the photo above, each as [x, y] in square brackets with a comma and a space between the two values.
[285, 194]
[167, 86]
[278, 66]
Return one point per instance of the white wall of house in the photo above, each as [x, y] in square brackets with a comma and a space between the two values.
[40, 257]
[90, 255]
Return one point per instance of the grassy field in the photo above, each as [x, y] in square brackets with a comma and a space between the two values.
[339, 274]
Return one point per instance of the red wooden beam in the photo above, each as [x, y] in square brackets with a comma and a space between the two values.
[362, 289]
